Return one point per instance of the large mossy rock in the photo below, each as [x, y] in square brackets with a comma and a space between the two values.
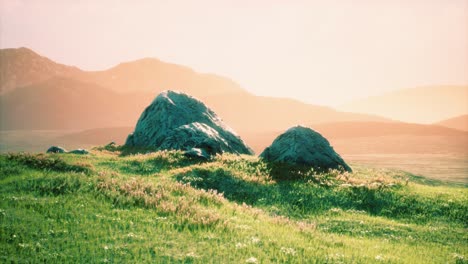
[303, 148]
[177, 121]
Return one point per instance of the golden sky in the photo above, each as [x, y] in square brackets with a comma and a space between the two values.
[324, 52]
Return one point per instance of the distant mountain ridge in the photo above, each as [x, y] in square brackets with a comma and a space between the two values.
[153, 75]
[415, 105]
[459, 122]
[22, 66]
[69, 98]
[64, 103]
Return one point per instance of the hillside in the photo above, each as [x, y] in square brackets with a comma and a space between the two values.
[153, 75]
[459, 122]
[264, 114]
[110, 208]
[63, 103]
[122, 93]
[415, 105]
[22, 66]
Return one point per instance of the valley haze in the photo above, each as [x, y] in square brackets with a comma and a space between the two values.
[60, 104]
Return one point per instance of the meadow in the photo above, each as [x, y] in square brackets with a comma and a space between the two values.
[114, 207]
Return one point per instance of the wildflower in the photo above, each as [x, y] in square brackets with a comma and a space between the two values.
[379, 257]
[288, 251]
[210, 236]
[106, 247]
[458, 256]
[240, 245]
[191, 255]
[251, 260]
[255, 240]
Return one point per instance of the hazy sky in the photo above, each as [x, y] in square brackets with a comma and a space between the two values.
[325, 52]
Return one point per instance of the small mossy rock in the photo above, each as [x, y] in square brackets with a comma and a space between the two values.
[177, 121]
[79, 151]
[56, 149]
[302, 147]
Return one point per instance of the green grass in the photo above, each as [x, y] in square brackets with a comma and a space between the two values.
[164, 208]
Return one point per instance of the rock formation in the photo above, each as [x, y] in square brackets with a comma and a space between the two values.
[177, 121]
[303, 147]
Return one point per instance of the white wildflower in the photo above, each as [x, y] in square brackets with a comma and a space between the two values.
[288, 251]
[251, 260]
[240, 245]
[191, 255]
[335, 210]
[255, 240]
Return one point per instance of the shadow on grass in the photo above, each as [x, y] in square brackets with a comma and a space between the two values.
[45, 162]
[434, 182]
[154, 165]
[128, 151]
[157, 162]
[223, 181]
[301, 198]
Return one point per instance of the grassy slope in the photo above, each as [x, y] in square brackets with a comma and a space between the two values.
[141, 208]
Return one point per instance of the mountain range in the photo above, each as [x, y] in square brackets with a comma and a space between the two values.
[56, 96]
[40, 94]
